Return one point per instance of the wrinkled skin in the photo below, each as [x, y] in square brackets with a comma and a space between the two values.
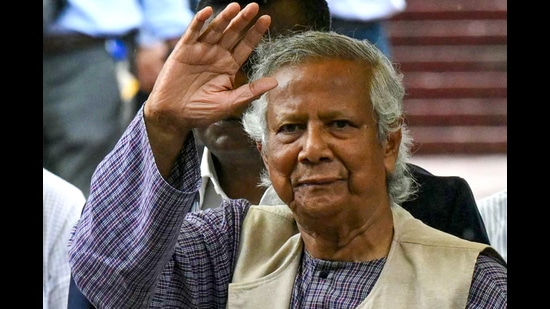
[324, 159]
[206, 61]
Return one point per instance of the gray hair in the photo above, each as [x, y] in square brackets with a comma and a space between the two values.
[386, 92]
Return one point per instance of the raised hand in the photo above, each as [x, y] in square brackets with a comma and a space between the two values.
[195, 86]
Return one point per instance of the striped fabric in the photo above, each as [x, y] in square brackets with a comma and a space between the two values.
[62, 203]
[493, 209]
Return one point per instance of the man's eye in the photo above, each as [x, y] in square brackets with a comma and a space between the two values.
[340, 124]
[290, 128]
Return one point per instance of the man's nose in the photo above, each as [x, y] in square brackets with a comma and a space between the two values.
[315, 145]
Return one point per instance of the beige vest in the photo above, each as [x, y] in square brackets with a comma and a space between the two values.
[425, 268]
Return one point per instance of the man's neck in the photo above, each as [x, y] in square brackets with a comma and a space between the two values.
[366, 242]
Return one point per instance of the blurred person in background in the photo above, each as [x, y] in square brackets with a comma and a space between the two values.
[82, 102]
[154, 56]
[61, 206]
[364, 19]
[494, 211]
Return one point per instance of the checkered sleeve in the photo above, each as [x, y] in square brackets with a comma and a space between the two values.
[130, 224]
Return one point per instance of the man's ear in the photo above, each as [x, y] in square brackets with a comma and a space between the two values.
[391, 150]
[259, 146]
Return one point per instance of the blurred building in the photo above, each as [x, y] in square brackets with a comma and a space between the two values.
[454, 58]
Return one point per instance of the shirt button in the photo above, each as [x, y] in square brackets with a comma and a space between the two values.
[323, 274]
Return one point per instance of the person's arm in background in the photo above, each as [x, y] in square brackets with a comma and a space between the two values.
[164, 23]
[62, 204]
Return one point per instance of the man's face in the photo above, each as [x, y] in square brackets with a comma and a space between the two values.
[227, 137]
[323, 154]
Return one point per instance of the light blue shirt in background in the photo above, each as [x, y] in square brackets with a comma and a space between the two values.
[156, 20]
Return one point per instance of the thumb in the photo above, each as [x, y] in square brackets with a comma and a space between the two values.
[261, 86]
[254, 90]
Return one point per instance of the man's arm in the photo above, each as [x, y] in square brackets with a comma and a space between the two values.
[141, 191]
[129, 226]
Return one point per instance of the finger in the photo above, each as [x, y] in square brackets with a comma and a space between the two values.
[248, 92]
[197, 23]
[260, 86]
[217, 27]
[253, 36]
[235, 29]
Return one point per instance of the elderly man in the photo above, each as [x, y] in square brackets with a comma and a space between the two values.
[341, 240]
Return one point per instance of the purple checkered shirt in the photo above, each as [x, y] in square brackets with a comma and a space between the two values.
[136, 245]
